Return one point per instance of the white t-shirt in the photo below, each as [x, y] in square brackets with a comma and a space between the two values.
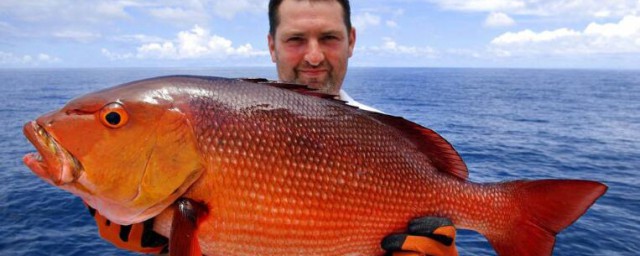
[344, 96]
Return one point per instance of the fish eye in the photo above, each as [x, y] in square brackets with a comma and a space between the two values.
[113, 118]
[114, 115]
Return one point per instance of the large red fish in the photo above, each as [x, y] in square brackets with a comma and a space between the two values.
[281, 171]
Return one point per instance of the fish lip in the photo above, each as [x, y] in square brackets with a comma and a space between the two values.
[51, 162]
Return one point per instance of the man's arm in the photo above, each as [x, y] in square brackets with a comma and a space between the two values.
[425, 236]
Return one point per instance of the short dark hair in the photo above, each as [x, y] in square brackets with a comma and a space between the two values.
[274, 19]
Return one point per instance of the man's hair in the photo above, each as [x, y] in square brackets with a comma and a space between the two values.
[274, 18]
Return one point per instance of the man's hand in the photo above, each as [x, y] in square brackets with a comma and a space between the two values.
[138, 237]
[425, 236]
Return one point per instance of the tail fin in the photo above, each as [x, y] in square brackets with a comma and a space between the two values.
[547, 207]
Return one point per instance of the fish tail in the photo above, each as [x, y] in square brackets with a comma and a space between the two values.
[545, 207]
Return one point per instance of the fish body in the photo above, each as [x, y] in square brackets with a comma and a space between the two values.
[281, 170]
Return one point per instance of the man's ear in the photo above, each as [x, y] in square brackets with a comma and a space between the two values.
[272, 47]
[352, 40]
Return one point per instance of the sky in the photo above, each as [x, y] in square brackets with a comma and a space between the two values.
[592, 34]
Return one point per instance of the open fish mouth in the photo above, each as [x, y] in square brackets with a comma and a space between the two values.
[52, 162]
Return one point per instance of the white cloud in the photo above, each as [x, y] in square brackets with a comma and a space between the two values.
[5, 26]
[116, 56]
[528, 36]
[76, 35]
[362, 21]
[116, 9]
[398, 12]
[610, 38]
[47, 58]
[372, 17]
[228, 9]
[629, 26]
[6, 30]
[464, 53]
[481, 5]
[499, 19]
[391, 47]
[589, 8]
[179, 15]
[11, 59]
[41, 18]
[203, 10]
[137, 38]
[196, 43]
[66, 11]
[81, 21]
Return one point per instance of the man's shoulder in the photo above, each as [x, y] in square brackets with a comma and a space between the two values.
[344, 96]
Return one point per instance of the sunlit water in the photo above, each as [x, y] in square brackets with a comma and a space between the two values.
[507, 124]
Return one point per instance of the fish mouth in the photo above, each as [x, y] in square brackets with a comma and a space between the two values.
[51, 162]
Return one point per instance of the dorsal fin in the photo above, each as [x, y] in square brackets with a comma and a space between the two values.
[441, 153]
[443, 156]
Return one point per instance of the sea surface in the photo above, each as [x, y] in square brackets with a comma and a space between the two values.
[506, 123]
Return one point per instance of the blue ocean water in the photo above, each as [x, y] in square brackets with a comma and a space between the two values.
[506, 123]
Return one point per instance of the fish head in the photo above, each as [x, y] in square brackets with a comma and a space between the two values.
[128, 152]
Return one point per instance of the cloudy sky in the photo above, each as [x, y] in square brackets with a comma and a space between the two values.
[424, 33]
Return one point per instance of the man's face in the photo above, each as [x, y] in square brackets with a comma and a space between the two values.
[311, 45]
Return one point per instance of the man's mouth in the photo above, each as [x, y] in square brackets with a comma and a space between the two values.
[313, 72]
[52, 162]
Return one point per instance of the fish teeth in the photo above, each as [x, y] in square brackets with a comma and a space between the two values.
[48, 141]
[74, 162]
[39, 158]
[51, 145]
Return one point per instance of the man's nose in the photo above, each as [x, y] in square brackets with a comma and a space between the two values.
[314, 55]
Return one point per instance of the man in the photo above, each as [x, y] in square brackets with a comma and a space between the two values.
[310, 42]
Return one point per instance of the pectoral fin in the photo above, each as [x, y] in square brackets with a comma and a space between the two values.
[183, 239]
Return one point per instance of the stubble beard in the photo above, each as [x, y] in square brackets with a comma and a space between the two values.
[327, 85]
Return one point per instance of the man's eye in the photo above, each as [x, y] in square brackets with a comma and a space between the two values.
[329, 38]
[294, 39]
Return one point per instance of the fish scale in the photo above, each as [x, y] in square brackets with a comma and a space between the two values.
[358, 198]
[280, 169]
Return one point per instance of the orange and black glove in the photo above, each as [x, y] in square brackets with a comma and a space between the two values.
[138, 237]
[425, 236]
